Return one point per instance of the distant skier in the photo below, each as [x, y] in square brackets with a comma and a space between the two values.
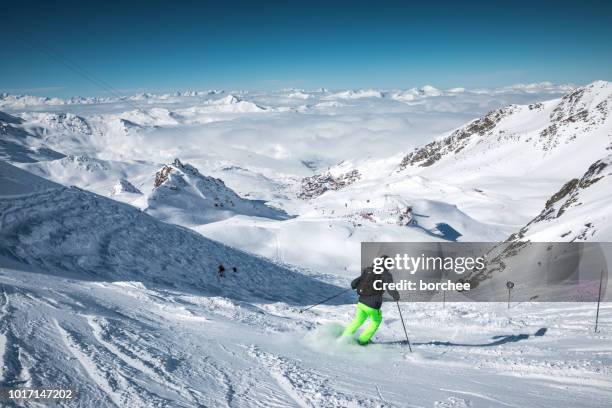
[369, 304]
[221, 271]
[407, 217]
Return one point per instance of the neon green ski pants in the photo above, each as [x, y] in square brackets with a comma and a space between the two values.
[361, 314]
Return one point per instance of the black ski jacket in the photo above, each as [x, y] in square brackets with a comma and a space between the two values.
[375, 301]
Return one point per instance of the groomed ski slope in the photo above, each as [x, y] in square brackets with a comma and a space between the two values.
[131, 344]
[139, 318]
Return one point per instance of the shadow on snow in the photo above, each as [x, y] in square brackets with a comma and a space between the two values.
[497, 340]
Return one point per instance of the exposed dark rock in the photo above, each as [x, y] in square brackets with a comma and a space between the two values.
[568, 105]
[318, 184]
[536, 106]
[162, 175]
[68, 122]
[565, 190]
[434, 151]
[590, 177]
[568, 196]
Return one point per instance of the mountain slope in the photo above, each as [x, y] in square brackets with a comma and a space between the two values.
[579, 211]
[181, 194]
[70, 232]
[233, 104]
[517, 157]
[21, 146]
[522, 139]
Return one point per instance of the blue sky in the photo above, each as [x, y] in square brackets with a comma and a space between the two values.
[163, 46]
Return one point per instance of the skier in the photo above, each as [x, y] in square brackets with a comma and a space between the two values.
[407, 217]
[221, 271]
[369, 304]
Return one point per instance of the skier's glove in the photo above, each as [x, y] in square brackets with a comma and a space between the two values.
[395, 295]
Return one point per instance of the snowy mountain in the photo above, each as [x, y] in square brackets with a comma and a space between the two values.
[231, 103]
[356, 94]
[181, 194]
[123, 186]
[546, 143]
[468, 185]
[318, 184]
[527, 136]
[424, 92]
[429, 90]
[87, 172]
[195, 97]
[21, 101]
[579, 211]
[69, 232]
[65, 123]
[135, 310]
[11, 101]
[19, 145]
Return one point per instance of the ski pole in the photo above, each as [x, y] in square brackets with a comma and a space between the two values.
[598, 300]
[323, 301]
[404, 325]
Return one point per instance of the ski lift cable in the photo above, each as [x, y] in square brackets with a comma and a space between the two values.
[82, 72]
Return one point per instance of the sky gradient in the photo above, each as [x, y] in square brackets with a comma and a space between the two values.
[166, 46]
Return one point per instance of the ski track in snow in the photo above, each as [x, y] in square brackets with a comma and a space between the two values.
[122, 352]
[307, 388]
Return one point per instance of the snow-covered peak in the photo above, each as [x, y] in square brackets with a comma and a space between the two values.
[66, 122]
[524, 135]
[12, 101]
[73, 233]
[407, 95]
[21, 101]
[316, 185]
[298, 94]
[593, 99]
[545, 86]
[141, 96]
[233, 104]
[124, 186]
[185, 196]
[227, 100]
[423, 92]
[579, 211]
[356, 94]
[429, 90]
[17, 102]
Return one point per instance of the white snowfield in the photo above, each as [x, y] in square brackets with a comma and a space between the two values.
[110, 283]
[70, 232]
